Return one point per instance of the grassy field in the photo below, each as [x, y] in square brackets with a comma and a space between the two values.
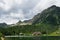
[56, 33]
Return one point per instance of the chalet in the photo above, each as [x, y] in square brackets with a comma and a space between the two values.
[36, 33]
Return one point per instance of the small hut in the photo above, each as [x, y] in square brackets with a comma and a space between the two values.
[36, 33]
[21, 33]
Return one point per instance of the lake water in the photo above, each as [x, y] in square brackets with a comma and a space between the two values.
[34, 38]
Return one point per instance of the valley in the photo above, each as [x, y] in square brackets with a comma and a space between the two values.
[46, 23]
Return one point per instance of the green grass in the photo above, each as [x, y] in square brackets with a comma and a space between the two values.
[55, 33]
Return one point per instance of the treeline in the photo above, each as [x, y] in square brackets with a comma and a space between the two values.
[15, 30]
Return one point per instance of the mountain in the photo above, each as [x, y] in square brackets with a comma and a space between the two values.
[3, 25]
[50, 15]
[47, 22]
[26, 22]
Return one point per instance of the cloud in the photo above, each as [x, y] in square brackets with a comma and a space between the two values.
[43, 4]
[57, 3]
[12, 11]
[8, 20]
[12, 17]
[19, 1]
[19, 14]
[7, 4]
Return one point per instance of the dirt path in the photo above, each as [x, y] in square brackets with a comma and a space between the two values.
[2, 38]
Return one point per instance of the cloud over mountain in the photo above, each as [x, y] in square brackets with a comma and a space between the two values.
[11, 11]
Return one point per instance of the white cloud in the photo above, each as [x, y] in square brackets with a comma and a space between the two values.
[12, 18]
[19, 14]
[8, 20]
[19, 1]
[1, 4]
[43, 4]
[57, 3]
[9, 3]
[6, 4]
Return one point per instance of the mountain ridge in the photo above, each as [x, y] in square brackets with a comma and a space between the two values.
[45, 13]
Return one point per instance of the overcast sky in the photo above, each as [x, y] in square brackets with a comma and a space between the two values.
[11, 11]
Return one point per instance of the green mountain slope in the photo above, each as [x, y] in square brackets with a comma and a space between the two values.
[50, 16]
